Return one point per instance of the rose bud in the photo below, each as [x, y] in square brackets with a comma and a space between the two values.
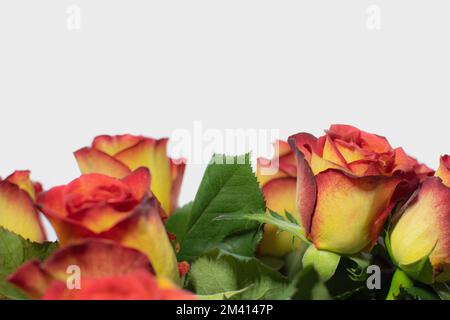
[348, 182]
[117, 156]
[17, 211]
[279, 191]
[94, 270]
[123, 210]
[422, 233]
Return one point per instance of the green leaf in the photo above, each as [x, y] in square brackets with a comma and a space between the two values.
[219, 272]
[415, 293]
[399, 280]
[293, 262]
[283, 225]
[309, 286]
[274, 263]
[177, 222]
[229, 189]
[229, 295]
[442, 290]
[324, 262]
[276, 215]
[14, 251]
[358, 270]
[291, 218]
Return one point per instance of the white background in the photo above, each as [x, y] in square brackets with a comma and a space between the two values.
[152, 67]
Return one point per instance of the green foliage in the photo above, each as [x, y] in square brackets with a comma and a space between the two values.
[219, 273]
[229, 187]
[324, 262]
[14, 251]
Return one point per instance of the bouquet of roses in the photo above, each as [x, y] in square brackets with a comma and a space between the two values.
[341, 216]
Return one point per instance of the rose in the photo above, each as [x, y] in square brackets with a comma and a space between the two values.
[123, 210]
[279, 192]
[117, 156]
[347, 183]
[347, 179]
[422, 233]
[17, 211]
[106, 271]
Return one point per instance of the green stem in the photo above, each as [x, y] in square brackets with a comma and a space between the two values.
[400, 279]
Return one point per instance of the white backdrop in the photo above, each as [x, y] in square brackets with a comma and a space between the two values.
[152, 67]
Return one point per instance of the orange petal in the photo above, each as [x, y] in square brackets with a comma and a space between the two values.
[348, 209]
[403, 162]
[177, 168]
[139, 182]
[95, 161]
[93, 203]
[307, 143]
[332, 154]
[319, 165]
[350, 152]
[306, 187]
[18, 214]
[94, 258]
[145, 231]
[365, 168]
[23, 181]
[281, 148]
[152, 154]
[139, 285]
[365, 140]
[444, 170]
[267, 170]
[424, 225]
[111, 145]
[280, 195]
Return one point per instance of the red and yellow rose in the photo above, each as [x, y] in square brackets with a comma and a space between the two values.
[118, 156]
[106, 271]
[343, 185]
[123, 210]
[17, 211]
[423, 230]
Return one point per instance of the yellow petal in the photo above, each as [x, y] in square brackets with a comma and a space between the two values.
[152, 154]
[349, 209]
[280, 197]
[18, 214]
[425, 225]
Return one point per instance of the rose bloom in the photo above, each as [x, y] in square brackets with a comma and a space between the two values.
[424, 226]
[117, 156]
[17, 211]
[123, 210]
[106, 270]
[341, 186]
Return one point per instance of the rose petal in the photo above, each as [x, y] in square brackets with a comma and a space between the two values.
[145, 231]
[111, 145]
[95, 161]
[23, 181]
[306, 186]
[280, 195]
[18, 214]
[139, 285]
[152, 154]
[177, 168]
[444, 170]
[332, 154]
[347, 209]
[425, 225]
[94, 258]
